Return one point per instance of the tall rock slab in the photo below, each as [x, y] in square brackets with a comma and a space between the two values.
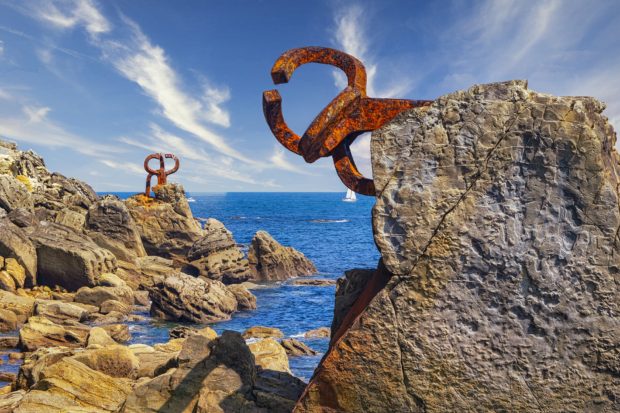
[497, 214]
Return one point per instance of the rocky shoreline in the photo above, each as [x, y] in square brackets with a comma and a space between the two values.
[75, 268]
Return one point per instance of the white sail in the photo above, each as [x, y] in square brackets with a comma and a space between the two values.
[350, 196]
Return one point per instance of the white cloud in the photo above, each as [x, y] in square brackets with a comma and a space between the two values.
[278, 160]
[36, 114]
[67, 14]
[124, 166]
[33, 126]
[1, 48]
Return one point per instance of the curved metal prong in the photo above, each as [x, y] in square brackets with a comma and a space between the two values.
[272, 108]
[348, 172]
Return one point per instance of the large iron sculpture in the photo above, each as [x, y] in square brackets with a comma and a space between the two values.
[161, 173]
[349, 115]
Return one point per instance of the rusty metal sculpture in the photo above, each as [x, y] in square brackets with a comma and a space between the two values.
[349, 115]
[161, 173]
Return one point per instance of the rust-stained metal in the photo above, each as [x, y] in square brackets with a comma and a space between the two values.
[161, 173]
[346, 117]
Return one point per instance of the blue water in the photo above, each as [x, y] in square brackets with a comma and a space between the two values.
[335, 235]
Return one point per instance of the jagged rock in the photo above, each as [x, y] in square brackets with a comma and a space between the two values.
[112, 227]
[69, 385]
[262, 332]
[114, 305]
[8, 342]
[40, 332]
[269, 355]
[70, 218]
[9, 401]
[22, 307]
[212, 376]
[321, 332]
[59, 312]
[98, 336]
[12, 275]
[348, 290]
[14, 243]
[296, 348]
[110, 280]
[182, 297]
[113, 360]
[34, 363]
[119, 332]
[271, 261]
[245, 299]
[165, 223]
[22, 217]
[14, 194]
[497, 214]
[67, 258]
[277, 391]
[8, 320]
[172, 346]
[98, 295]
[217, 256]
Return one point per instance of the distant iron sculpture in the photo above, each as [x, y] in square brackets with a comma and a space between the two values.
[161, 173]
[346, 117]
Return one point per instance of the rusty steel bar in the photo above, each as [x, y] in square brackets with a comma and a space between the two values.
[346, 117]
[161, 173]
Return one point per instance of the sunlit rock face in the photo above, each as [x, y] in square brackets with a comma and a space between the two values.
[497, 214]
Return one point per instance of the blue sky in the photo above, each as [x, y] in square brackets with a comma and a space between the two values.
[94, 86]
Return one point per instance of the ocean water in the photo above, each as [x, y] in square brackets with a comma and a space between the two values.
[335, 235]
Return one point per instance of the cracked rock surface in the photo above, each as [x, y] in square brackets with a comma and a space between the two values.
[498, 216]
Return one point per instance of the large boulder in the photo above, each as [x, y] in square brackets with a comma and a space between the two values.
[67, 258]
[269, 355]
[348, 289]
[40, 332]
[112, 227]
[71, 386]
[217, 256]
[269, 260]
[21, 306]
[212, 376]
[182, 297]
[497, 214]
[60, 312]
[165, 223]
[14, 243]
[14, 194]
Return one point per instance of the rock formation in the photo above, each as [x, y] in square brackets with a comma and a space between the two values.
[497, 215]
[270, 260]
[165, 223]
[182, 297]
[216, 255]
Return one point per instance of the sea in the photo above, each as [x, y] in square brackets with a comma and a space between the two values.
[335, 235]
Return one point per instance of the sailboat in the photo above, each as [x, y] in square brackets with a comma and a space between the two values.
[350, 196]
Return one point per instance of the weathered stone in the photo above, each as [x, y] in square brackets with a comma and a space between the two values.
[114, 360]
[8, 320]
[497, 214]
[217, 256]
[182, 297]
[22, 217]
[113, 305]
[22, 307]
[98, 295]
[8, 342]
[70, 218]
[119, 332]
[9, 401]
[315, 282]
[348, 290]
[245, 299]
[277, 391]
[269, 355]
[34, 363]
[40, 332]
[112, 227]
[98, 336]
[212, 376]
[321, 332]
[60, 312]
[14, 194]
[269, 260]
[67, 258]
[14, 243]
[110, 280]
[262, 332]
[295, 347]
[165, 223]
[69, 385]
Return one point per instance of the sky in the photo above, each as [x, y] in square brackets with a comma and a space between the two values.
[95, 86]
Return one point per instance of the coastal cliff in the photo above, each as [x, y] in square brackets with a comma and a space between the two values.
[497, 219]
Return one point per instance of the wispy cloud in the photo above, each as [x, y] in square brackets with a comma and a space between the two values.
[124, 166]
[279, 161]
[1, 48]
[69, 14]
[34, 126]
